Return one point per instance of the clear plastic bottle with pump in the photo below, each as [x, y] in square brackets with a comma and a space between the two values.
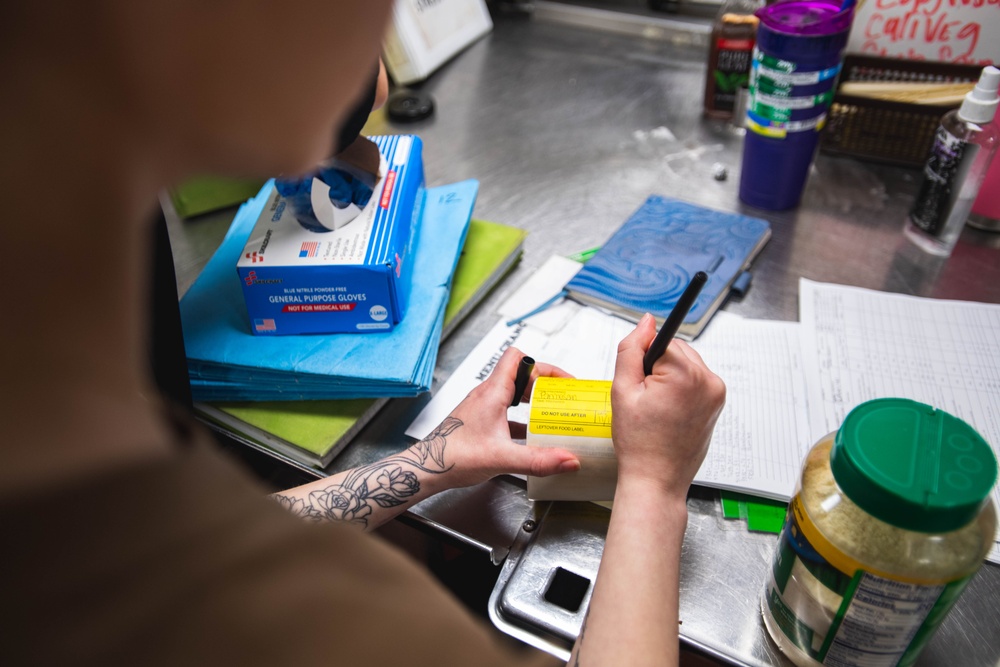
[963, 148]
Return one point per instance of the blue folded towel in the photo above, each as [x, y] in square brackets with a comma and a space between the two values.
[227, 362]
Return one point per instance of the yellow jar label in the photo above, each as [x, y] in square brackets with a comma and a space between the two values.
[579, 408]
[837, 558]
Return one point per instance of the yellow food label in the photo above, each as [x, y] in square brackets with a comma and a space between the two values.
[837, 558]
[562, 406]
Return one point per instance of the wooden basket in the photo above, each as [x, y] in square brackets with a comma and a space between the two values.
[898, 133]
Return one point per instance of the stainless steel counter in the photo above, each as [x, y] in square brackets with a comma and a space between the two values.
[569, 129]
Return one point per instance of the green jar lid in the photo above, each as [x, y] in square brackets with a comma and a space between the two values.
[912, 466]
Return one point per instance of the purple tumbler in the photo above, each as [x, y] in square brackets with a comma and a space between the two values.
[792, 77]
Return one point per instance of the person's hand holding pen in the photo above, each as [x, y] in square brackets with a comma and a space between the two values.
[661, 425]
[662, 422]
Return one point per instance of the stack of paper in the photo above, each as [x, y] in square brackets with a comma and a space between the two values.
[227, 362]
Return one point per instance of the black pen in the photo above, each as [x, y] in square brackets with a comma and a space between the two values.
[521, 380]
[673, 321]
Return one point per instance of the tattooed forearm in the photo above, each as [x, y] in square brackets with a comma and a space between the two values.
[290, 503]
[386, 483]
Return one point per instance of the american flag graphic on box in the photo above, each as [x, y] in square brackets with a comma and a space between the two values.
[264, 325]
[309, 249]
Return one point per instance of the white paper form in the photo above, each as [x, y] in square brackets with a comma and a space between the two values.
[762, 434]
[869, 344]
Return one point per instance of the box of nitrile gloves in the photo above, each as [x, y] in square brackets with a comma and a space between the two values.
[321, 275]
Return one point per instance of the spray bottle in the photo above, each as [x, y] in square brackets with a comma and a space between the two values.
[963, 147]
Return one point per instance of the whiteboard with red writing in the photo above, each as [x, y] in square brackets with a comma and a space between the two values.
[954, 31]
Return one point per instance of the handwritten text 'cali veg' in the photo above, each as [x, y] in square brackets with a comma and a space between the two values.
[944, 24]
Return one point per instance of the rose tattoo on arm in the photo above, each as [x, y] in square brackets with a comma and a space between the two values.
[386, 483]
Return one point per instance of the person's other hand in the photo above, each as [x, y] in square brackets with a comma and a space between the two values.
[662, 423]
[475, 439]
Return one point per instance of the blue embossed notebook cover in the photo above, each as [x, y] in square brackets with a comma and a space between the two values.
[649, 260]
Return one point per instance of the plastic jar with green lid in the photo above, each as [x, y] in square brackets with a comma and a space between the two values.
[890, 520]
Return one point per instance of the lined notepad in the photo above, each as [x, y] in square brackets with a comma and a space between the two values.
[866, 344]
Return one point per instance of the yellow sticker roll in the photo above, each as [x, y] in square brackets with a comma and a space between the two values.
[574, 415]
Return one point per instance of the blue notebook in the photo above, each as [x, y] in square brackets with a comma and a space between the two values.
[650, 259]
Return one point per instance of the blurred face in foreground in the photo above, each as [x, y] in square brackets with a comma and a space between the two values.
[105, 103]
[253, 87]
